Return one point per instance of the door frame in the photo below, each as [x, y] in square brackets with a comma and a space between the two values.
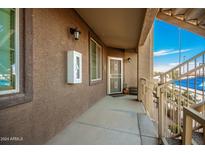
[108, 75]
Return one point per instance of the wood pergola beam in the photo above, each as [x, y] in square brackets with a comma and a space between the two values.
[172, 20]
[201, 19]
[147, 24]
[179, 11]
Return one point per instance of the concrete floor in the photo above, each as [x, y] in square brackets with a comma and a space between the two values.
[112, 120]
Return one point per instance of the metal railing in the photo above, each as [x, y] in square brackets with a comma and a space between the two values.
[147, 96]
[182, 86]
[191, 114]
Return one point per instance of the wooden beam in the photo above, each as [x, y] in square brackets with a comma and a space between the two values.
[147, 25]
[181, 17]
[179, 11]
[172, 20]
[202, 26]
[167, 11]
[187, 14]
[204, 133]
[193, 21]
[201, 19]
[194, 13]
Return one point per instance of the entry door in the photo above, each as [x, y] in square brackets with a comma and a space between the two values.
[115, 75]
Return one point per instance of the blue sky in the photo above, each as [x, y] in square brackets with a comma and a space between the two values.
[166, 45]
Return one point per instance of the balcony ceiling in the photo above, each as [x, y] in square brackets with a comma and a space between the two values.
[117, 28]
[192, 19]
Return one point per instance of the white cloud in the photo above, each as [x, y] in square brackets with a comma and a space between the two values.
[164, 68]
[173, 64]
[168, 52]
[161, 68]
[168, 66]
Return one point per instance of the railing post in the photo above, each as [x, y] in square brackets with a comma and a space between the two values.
[161, 107]
[162, 78]
[187, 129]
[204, 133]
[161, 112]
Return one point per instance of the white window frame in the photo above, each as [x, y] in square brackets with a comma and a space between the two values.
[97, 45]
[17, 58]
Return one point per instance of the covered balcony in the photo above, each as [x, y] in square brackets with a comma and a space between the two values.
[85, 76]
[113, 121]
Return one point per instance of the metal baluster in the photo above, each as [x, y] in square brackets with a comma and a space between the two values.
[203, 82]
[166, 99]
[195, 81]
[165, 126]
[179, 104]
[194, 123]
[170, 106]
[188, 82]
[173, 108]
[186, 103]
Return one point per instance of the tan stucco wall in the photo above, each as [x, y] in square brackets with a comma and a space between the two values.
[55, 104]
[112, 52]
[130, 68]
[145, 66]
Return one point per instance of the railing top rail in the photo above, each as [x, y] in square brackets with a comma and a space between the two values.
[181, 76]
[194, 106]
[187, 61]
[194, 115]
[200, 107]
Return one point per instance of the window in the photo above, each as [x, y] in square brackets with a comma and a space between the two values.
[16, 60]
[95, 61]
[9, 51]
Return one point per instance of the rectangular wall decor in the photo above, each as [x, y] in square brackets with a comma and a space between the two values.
[74, 67]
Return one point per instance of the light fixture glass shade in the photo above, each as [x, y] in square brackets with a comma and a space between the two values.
[76, 35]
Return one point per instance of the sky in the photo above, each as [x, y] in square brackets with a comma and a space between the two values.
[168, 39]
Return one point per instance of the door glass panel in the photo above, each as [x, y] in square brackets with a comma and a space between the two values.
[115, 85]
[115, 67]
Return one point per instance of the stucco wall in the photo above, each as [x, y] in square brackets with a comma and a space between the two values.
[130, 68]
[146, 57]
[145, 69]
[55, 104]
[112, 52]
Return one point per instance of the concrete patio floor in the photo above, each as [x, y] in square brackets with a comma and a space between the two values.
[112, 120]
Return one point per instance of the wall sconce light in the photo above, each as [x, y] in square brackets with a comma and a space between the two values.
[75, 32]
[129, 60]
